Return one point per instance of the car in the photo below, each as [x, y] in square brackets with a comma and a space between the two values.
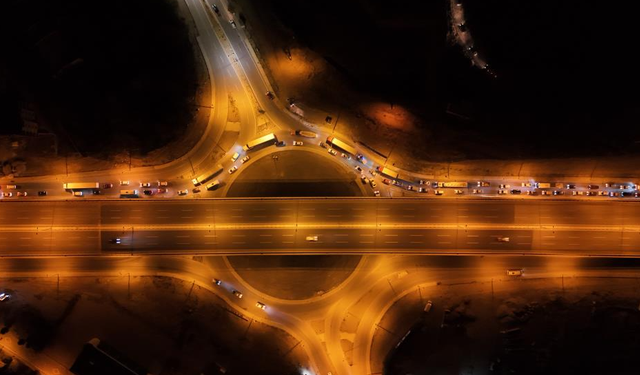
[515, 191]
[77, 194]
[532, 192]
[163, 183]
[298, 143]
[124, 183]
[458, 192]
[281, 144]
[373, 184]
[233, 169]
[332, 152]
[589, 193]
[422, 190]
[593, 187]
[627, 194]
[7, 195]
[602, 192]
[526, 184]
[245, 159]
[373, 172]
[233, 23]
[625, 187]
[215, 9]
[22, 194]
[364, 179]
[96, 192]
[194, 190]
[348, 157]
[483, 184]
[162, 191]
[571, 186]
[235, 157]
[42, 193]
[183, 192]
[386, 181]
[261, 305]
[116, 241]
[502, 192]
[558, 192]
[477, 191]
[145, 184]
[216, 281]
[376, 193]
[357, 168]
[396, 182]
[237, 293]
[410, 187]
[4, 296]
[107, 186]
[614, 194]
[361, 158]
[438, 192]
[269, 95]
[423, 182]
[516, 272]
[545, 192]
[147, 192]
[609, 184]
[428, 306]
[503, 239]
[503, 186]
[312, 238]
[322, 144]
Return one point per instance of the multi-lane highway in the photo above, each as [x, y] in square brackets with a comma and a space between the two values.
[337, 225]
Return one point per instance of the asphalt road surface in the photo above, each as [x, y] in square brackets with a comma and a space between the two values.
[342, 225]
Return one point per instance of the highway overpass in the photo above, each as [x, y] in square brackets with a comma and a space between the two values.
[343, 225]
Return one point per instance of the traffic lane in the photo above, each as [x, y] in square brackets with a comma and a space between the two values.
[49, 213]
[45, 242]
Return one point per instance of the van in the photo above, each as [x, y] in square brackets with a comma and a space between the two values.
[214, 185]
[12, 187]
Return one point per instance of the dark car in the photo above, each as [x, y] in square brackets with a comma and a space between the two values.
[42, 193]
[215, 9]
[571, 186]
[515, 191]
[96, 192]
[107, 186]
[593, 187]
[147, 192]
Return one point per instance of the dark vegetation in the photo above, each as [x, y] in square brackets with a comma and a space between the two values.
[103, 76]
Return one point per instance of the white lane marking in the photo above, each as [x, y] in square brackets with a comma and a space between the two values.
[25, 238]
[115, 217]
[341, 235]
[115, 210]
[383, 215]
[237, 235]
[444, 242]
[163, 217]
[287, 235]
[152, 243]
[599, 237]
[549, 236]
[287, 241]
[548, 243]
[342, 241]
[472, 243]
[416, 242]
[151, 236]
[390, 241]
[135, 217]
[209, 235]
[444, 235]
[308, 215]
[366, 235]
[183, 236]
[334, 209]
[366, 241]
[183, 243]
[408, 215]
[334, 215]
[210, 243]
[358, 209]
[416, 235]
[45, 218]
[238, 243]
[265, 242]
[266, 235]
[186, 217]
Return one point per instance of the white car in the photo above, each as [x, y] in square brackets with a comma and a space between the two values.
[502, 192]
[526, 184]
[373, 184]
[183, 192]
[516, 272]
[357, 168]
[364, 179]
[235, 157]
[298, 143]
[477, 191]
[237, 294]
[503, 186]
[4, 296]
[261, 305]
[312, 238]
[124, 183]
[348, 157]
[163, 183]
[503, 239]
[77, 194]
[459, 192]
[332, 152]
[8, 194]
[245, 159]
[145, 184]
[545, 192]
[376, 193]
[438, 192]
[232, 170]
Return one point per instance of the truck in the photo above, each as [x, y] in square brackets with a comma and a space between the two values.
[453, 184]
[207, 176]
[81, 185]
[129, 193]
[304, 133]
[214, 185]
[387, 172]
[266, 139]
[335, 142]
[543, 185]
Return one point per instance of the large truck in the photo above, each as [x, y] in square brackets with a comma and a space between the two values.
[267, 139]
[335, 142]
[81, 185]
[453, 184]
[387, 172]
[129, 193]
[543, 185]
[207, 176]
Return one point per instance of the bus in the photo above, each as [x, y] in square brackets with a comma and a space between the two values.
[81, 185]
[267, 139]
[453, 184]
[387, 172]
[207, 176]
[335, 142]
[129, 193]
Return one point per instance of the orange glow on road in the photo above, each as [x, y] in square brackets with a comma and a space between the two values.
[396, 117]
